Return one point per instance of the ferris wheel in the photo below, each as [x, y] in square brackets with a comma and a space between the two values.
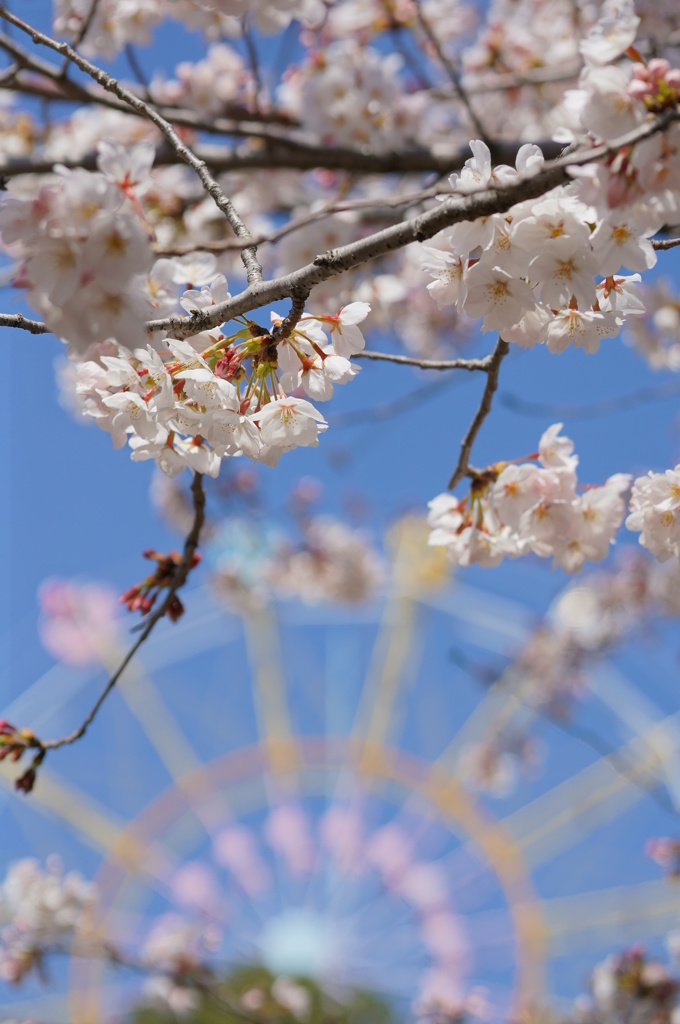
[294, 777]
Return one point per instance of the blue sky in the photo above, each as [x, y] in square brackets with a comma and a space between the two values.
[71, 506]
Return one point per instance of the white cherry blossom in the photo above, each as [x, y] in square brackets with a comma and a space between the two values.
[290, 421]
[497, 297]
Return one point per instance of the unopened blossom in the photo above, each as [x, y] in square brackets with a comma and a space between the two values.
[478, 172]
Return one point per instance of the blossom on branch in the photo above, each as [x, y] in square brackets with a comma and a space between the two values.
[521, 507]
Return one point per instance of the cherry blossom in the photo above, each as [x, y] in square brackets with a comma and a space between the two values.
[520, 507]
[655, 512]
[45, 907]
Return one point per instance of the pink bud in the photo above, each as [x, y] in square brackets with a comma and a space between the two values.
[638, 89]
[658, 68]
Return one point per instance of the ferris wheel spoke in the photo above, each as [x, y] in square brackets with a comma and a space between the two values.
[600, 793]
[502, 703]
[622, 914]
[269, 694]
[171, 745]
[95, 826]
[385, 676]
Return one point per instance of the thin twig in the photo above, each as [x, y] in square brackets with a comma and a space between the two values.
[665, 243]
[253, 61]
[137, 70]
[9, 74]
[590, 410]
[451, 71]
[211, 186]
[343, 206]
[427, 364]
[494, 81]
[499, 353]
[396, 406]
[17, 320]
[179, 579]
[66, 90]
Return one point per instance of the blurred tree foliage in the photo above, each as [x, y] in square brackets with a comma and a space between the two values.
[255, 984]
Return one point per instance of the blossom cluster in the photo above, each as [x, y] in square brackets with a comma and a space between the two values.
[45, 907]
[82, 249]
[655, 512]
[352, 95]
[333, 563]
[630, 985]
[656, 335]
[175, 950]
[255, 555]
[116, 24]
[532, 273]
[78, 621]
[195, 404]
[520, 507]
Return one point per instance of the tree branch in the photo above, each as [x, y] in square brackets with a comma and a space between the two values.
[453, 210]
[285, 154]
[269, 238]
[64, 90]
[427, 364]
[493, 369]
[17, 320]
[417, 229]
[665, 243]
[211, 186]
[179, 579]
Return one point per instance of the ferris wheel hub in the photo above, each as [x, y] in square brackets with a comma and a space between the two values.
[298, 942]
